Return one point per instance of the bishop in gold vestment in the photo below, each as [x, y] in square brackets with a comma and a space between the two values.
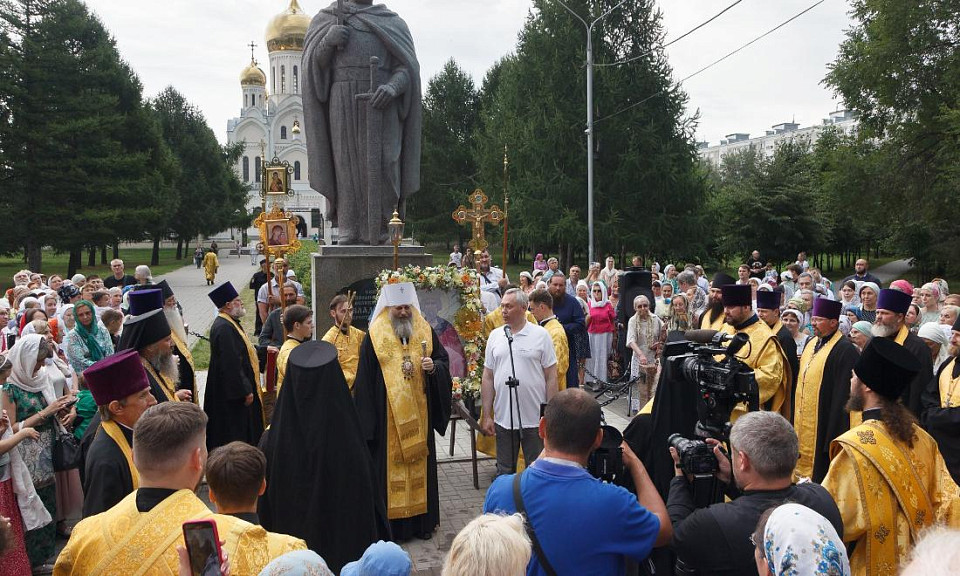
[403, 395]
[887, 475]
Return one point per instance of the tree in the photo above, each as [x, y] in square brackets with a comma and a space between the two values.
[899, 68]
[209, 193]
[448, 170]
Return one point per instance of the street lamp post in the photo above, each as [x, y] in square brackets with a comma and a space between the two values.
[395, 228]
[589, 130]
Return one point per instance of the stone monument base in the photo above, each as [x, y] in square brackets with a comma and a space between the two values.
[339, 268]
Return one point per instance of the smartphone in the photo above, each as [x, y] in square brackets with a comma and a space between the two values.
[70, 403]
[203, 547]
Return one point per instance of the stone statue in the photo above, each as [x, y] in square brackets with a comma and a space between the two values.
[362, 116]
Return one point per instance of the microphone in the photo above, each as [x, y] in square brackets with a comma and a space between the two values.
[738, 341]
[700, 336]
[508, 333]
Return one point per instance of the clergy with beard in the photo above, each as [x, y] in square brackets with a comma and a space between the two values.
[941, 407]
[712, 317]
[345, 337]
[178, 333]
[403, 394]
[892, 306]
[886, 474]
[570, 315]
[768, 310]
[232, 396]
[819, 413]
[149, 334]
[121, 390]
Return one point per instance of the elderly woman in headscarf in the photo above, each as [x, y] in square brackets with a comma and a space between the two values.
[526, 282]
[793, 540]
[793, 320]
[89, 340]
[600, 328]
[860, 334]
[937, 337]
[929, 303]
[949, 314]
[30, 401]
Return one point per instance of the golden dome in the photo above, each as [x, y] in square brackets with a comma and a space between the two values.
[287, 29]
[252, 75]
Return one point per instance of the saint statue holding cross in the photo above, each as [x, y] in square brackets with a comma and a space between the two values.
[478, 215]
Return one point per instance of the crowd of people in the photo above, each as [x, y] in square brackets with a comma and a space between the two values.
[102, 420]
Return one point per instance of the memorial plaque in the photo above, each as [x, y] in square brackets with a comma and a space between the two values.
[365, 301]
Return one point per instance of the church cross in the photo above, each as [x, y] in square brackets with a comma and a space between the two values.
[252, 46]
[478, 215]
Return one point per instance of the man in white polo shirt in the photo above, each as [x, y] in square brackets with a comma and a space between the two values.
[535, 362]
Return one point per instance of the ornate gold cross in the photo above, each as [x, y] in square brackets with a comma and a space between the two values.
[478, 215]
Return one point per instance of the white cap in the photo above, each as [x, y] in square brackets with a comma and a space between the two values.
[403, 293]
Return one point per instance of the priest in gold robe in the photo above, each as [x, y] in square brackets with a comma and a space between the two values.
[819, 412]
[541, 305]
[887, 475]
[141, 534]
[941, 407]
[712, 317]
[345, 337]
[762, 354]
[403, 395]
[768, 310]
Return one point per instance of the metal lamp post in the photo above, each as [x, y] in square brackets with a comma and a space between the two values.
[395, 229]
[589, 130]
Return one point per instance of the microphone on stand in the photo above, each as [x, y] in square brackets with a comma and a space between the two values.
[508, 333]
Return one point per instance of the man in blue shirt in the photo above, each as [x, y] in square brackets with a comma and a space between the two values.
[583, 525]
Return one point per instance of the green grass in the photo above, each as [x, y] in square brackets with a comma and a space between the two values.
[201, 350]
[132, 257]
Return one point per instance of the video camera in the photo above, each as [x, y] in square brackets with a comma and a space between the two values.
[606, 462]
[723, 384]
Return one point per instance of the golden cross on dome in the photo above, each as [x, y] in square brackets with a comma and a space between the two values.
[252, 46]
[478, 215]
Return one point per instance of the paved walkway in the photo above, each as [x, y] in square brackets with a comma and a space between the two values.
[893, 270]
[190, 286]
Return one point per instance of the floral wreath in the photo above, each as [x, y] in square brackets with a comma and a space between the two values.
[468, 321]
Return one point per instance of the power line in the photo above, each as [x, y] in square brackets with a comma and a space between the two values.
[718, 60]
[674, 41]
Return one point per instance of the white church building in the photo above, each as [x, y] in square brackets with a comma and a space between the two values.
[271, 113]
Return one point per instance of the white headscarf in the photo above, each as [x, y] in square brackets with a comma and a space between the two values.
[603, 296]
[23, 357]
[940, 334]
[396, 295]
[799, 542]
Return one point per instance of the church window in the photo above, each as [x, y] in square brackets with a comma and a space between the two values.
[273, 76]
[296, 81]
[283, 132]
[256, 168]
[246, 168]
[296, 170]
[244, 100]
[283, 79]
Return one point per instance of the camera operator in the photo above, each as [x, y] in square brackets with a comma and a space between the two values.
[716, 540]
[763, 354]
[579, 524]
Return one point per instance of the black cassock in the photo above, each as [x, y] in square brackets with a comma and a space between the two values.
[832, 416]
[911, 394]
[106, 479]
[156, 390]
[229, 380]
[320, 479]
[943, 423]
[789, 346]
[370, 397]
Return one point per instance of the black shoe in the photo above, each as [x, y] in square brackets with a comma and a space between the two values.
[425, 535]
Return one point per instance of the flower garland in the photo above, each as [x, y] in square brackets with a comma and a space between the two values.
[467, 321]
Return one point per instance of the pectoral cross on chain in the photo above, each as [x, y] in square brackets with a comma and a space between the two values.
[478, 215]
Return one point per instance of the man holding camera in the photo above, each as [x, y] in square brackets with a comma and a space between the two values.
[762, 354]
[519, 374]
[577, 523]
[716, 540]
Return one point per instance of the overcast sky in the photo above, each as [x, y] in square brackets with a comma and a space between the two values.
[199, 47]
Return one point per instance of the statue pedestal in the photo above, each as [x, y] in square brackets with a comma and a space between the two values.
[339, 268]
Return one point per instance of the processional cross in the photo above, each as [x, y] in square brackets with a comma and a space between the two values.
[478, 215]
